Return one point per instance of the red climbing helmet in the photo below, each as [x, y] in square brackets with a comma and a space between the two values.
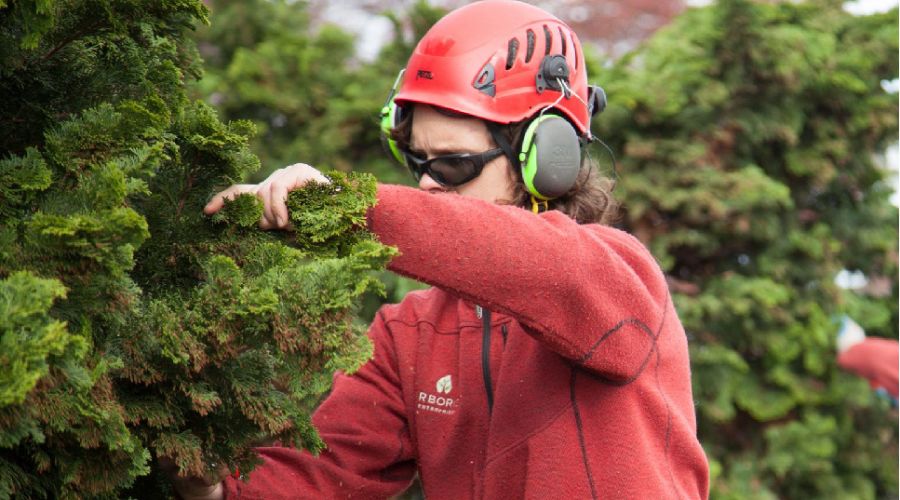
[502, 61]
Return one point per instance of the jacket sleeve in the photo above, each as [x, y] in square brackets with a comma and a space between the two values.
[591, 293]
[364, 426]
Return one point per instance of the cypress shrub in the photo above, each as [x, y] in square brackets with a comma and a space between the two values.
[134, 327]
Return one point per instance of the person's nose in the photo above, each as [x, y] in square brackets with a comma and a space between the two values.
[426, 183]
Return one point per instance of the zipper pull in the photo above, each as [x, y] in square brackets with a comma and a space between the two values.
[478, 311]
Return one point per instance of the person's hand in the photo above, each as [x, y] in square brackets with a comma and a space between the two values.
[193, 487]
[272, 192]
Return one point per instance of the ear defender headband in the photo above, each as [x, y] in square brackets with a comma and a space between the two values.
[390, 117]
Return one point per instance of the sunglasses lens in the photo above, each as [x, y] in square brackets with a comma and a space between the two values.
[453, 171]
[449, 170]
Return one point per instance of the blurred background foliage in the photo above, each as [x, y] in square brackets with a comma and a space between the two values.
[746, 135]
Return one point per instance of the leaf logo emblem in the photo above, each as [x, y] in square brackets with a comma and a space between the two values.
[444, 384]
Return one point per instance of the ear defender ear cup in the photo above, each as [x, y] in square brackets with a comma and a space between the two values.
[550, 157]
[390, 117]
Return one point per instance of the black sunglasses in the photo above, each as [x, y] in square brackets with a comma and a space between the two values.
[450, 170]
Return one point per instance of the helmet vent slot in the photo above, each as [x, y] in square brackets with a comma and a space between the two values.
[512, 48]
[548, 40]
[562, 40]
[529, 51]
[574, 45]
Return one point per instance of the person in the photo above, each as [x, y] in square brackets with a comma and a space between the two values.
[547, 361]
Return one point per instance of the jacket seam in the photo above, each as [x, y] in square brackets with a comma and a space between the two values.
[462, 324]
[423, 321]
[499, 453]
[654, 340]
[579, 427]
[665, 399]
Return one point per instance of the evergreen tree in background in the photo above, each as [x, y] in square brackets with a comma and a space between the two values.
[309, 95]
[134, 328]
[746, 133]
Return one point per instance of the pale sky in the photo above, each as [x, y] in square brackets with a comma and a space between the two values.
[859, 7]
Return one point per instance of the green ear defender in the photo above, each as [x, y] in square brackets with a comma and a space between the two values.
[390, 117]
[550, 156]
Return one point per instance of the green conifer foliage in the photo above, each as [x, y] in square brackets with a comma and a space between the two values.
[746, 134]
[134, 327]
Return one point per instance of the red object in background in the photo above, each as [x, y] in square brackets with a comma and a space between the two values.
[875, 359]
[613, 26]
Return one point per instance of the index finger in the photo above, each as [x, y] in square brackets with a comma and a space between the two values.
[218, 201]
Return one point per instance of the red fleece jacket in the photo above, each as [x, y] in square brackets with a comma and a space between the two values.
[586, 392]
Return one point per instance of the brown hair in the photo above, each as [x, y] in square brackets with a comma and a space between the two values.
[589, 201]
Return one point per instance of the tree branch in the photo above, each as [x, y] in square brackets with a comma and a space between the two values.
[70, 39]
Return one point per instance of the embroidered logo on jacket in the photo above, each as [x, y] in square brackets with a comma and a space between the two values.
[444, 385]
[437, 403]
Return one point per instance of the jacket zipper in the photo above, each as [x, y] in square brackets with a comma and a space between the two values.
[486, 355]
